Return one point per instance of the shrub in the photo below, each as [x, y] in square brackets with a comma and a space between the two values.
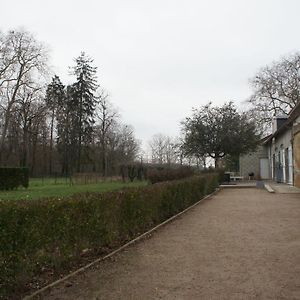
[159, 175]
[12, 178]
[52, 233]
[133, 171]
[220, 172]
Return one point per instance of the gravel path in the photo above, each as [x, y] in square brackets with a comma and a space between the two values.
[240, 244]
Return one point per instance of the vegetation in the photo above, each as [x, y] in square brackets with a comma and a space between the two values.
[22, 59]
[165, 150]
[52, 128]
[61, 187]
[132, 171]
[219, 131]
[155, 175]
[275, 89]
[12, 178]
[51, 234]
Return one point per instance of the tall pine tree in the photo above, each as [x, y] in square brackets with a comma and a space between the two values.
[66, 131]
[55, 96]
[84, 103]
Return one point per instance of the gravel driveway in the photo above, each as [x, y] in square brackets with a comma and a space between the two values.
[239, 244]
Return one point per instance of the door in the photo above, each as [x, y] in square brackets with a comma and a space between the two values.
[264, 168]
[290, 154]
[279, 170]
[286, 165]
[273, 167]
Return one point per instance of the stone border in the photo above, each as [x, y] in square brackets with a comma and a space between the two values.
[237, 186]
[141, 237]
[268, 188]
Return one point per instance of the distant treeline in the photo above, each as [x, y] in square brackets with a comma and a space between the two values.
[52, 128]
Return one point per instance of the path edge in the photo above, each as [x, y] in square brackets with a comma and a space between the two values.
[269, 188]
[98, 260]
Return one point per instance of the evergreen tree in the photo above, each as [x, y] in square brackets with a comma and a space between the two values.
[66, 142]
[84, 103]
[55, 96]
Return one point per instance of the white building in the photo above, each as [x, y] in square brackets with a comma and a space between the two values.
[278, 155]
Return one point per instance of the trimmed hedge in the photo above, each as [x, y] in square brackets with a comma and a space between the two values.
[12, 178]
[52, 233]
[157, 175]
[218, 171]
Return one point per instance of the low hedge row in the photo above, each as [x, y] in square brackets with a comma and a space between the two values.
[12, 178]
[52, 233]
[157, 175]
[218, 171]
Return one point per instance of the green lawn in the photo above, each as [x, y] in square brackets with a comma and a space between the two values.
[61, 187]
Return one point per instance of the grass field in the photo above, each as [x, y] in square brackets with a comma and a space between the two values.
[42, 188]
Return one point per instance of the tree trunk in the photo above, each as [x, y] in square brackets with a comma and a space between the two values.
[51, 143]
[34, 145]
[4, 130]
[24, 155]
[217, 161]
[103, 159]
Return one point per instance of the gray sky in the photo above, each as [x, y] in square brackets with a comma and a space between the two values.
[158, 59]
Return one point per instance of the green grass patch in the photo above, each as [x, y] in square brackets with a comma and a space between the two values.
[61, 187]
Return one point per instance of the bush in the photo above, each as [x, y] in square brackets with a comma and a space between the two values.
[12, 178]
[52, 233]
[160, 175]
[132, 171]
[220, 172]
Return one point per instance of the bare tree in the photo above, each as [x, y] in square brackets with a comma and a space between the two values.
[157, 148]
[23, 63]
[107, 116]
[171, 150]
[275, 89]
[164, 149]
[122, 147]
[127, 145]
[30, 110]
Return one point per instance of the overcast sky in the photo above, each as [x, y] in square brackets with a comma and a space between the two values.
[158, 59]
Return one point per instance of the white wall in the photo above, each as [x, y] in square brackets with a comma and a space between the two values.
[279, 145]
[251, 162]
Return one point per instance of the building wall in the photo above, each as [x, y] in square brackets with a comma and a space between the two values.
[251, 162]
[281, 147]
[283, 154]
[296, 148]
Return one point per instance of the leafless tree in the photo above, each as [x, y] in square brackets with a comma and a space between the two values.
[275, 89]
[164, 149]
[107, 117]
[23, 63]
[30, 111]
[127, 145]
[122, 147]
[157, 148]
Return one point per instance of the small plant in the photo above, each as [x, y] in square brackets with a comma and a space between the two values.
[160, 175]
[132, 172]
[12, 178]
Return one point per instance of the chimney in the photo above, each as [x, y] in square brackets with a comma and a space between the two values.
[278, 121]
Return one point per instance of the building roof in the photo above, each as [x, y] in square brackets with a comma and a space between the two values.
[293, 115]
[264, 139]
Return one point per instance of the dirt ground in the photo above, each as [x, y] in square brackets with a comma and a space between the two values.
[239, 244]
